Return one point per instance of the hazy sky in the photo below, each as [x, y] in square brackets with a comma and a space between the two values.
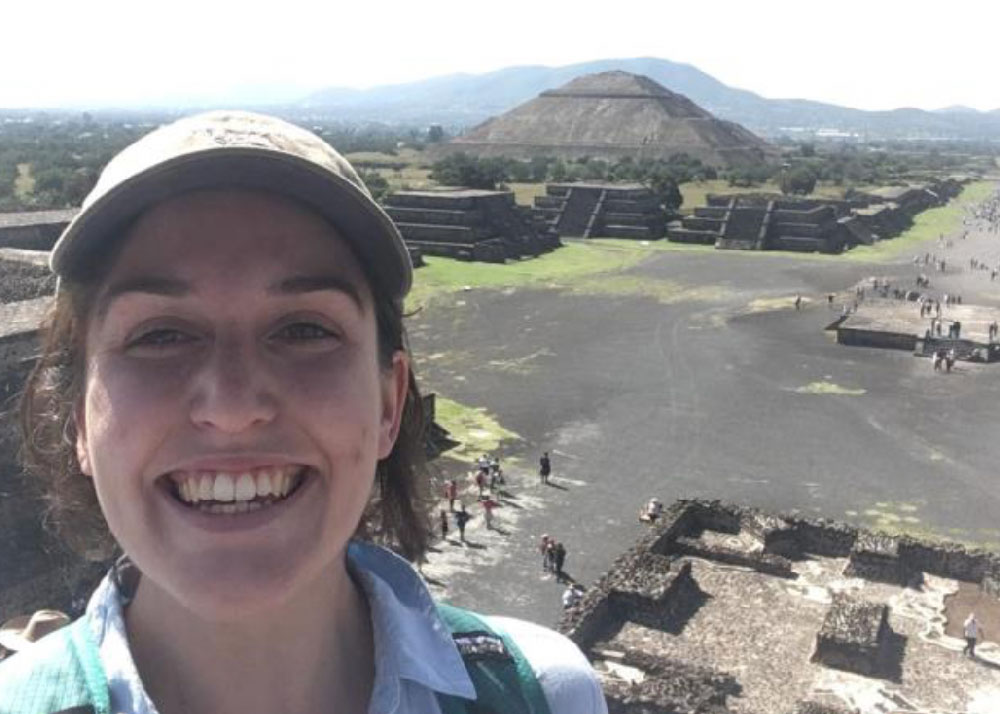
[870, 54]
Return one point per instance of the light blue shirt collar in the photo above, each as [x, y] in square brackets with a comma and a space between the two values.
[412, 642]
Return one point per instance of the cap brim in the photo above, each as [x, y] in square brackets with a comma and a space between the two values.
[359, 220]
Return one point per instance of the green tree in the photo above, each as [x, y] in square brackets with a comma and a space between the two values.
[799, 180]
[665, 188]
[435, 134]
[377, 184]
[463, 170]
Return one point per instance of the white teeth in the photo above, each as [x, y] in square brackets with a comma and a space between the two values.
[264, 483]
[246, 487]
[240, 490]
[224, 488]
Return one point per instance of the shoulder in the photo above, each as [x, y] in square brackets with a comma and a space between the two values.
[47, 676]
[566, 677]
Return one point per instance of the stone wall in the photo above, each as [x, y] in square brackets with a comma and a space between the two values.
[897, 559]
[37, 230]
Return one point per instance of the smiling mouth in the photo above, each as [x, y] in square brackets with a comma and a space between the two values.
[224, 492]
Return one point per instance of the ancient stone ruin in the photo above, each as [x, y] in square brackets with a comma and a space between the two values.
[467, 224]
[773, 222]
[608, 210]
[609, 116]
[855, 636]
[720, 608]
[34, 230]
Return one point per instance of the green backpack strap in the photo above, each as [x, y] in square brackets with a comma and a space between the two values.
[59, 674]
[504, 680]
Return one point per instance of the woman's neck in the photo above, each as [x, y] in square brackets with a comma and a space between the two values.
[313, 653]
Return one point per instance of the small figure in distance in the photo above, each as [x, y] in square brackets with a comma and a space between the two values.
[544, 467]
[970, 628]
[652, 511]
[461, 519]
[572, 596]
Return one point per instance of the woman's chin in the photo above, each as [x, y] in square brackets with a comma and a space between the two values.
[234, 590]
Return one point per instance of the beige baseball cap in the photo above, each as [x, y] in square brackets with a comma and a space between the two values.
[242, 150]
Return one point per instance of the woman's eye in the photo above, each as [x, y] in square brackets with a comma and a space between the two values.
[159, 338]
[305, 331]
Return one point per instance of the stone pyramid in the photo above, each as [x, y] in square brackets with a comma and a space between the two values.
[612, 115]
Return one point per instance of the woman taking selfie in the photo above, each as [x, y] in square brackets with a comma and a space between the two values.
[225, 393]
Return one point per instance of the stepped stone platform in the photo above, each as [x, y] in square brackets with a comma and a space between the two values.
[762, 221]
[897, 324]
[752, 222]
[682, 623]
[608, 210]
[467, 224]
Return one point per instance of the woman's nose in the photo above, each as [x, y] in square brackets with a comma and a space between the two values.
[232, 390]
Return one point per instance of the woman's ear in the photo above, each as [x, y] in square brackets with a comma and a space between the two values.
[82, 454]
[395, 386]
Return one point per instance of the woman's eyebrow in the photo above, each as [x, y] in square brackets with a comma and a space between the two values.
[151, 285]
[315, 283]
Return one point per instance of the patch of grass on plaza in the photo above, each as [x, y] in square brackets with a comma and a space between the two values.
[478, 431]
[825, 387]
[772, 304]
[557, 269]
[943, 220]
[900, 519]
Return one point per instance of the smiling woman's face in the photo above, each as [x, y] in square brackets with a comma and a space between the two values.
[234, 406]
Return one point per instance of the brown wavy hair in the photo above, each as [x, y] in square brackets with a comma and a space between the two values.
[396, 515]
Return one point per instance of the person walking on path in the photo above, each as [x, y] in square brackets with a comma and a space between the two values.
[558, 558]
[543, 549]
[461, 519]
[971, 631]
[544, 467]
[480, 482]
[451, 493]
[444, 524]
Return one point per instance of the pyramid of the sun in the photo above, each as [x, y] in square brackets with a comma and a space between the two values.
[612, 115]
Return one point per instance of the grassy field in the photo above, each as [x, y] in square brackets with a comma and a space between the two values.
[24, 184]
[695, 192]
[478, 431]
[561, 268]
[408, 156]
[524, 193]
[411, 178]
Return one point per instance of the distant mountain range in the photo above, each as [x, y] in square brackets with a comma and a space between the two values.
[462, 100]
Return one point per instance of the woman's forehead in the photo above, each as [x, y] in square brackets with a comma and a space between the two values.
[234, 232]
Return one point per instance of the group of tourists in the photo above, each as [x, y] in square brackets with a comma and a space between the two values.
[553, 554]
[487, 478]
[931, 260]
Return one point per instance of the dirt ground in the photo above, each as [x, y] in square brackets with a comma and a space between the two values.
[724, 391]
[971, 598]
